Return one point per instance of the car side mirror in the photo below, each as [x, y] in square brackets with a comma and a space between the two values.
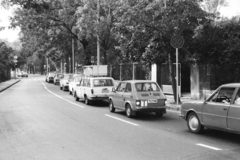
[113, 89]
[78, 84]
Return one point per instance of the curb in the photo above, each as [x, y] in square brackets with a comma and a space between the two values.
[173, 108]
[1, 90]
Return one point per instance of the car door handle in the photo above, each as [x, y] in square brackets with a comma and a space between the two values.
[224, 109]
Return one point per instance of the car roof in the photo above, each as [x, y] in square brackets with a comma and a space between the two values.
[231, 85]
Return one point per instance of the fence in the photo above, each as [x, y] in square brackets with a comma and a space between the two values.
[130, 71]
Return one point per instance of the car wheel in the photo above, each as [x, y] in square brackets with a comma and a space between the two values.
[159, 114]
[86, 100]
[61, 87]
[76, 97]
[111, 106]
[129, 112]
[70, 92]
[194, 124]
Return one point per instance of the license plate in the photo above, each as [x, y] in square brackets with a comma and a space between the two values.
[152, 101]
[105, 91]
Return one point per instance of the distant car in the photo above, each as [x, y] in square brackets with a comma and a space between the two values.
[138, 96]
[64, 82]
[24, 74]
[94, 89]
[49, 77]
[57, 77]
[73, 83]
[220, 111]
[19, 74]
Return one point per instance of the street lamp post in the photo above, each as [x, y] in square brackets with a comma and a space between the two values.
[15, 64]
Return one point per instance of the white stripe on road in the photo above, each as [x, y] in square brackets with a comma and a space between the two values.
[210, 147]
[122, 120]
[61, 97]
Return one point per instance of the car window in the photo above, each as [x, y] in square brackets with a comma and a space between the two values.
[88, 83]
[148, 86]
[102, 82]
[223, 95]
[237, 98]
[121, 87]
[128, 88]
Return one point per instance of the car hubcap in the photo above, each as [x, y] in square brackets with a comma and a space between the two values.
[128, 111]
[193, 123]
[110, 105]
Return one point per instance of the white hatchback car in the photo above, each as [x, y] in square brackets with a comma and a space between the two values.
[94, 88]
[64, 82]
[73, 83]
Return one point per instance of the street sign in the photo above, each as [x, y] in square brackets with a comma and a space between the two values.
[177, 41]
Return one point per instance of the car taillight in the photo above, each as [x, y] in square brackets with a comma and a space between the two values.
[138, 102]
[141, 103]
[92, 91]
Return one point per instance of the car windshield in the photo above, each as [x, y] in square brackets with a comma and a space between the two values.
[102, 82]
[148, 86]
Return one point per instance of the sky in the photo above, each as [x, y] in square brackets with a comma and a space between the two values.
[11, 35]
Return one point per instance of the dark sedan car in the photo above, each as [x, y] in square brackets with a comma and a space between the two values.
[220, 111]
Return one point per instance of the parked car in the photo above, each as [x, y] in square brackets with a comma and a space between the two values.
[19, 74]
[49, 77]
[24, 74]
[138, 96]
[64, 81]
[57, 78]
[94, 89]
[73, 83]
[220, 111]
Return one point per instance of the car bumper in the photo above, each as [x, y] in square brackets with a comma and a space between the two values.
[182, 116]
[162, 110]
[98, 98]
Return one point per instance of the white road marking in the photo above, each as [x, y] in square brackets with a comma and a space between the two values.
[210, 147]
[122, 120]
[62, 97]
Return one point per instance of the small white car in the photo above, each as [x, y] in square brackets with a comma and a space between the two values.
[94, 88]
[49, 77]
[57, 77]
[73, 83]
[64, 82]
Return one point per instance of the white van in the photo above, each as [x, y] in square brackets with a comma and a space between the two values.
[94, 88]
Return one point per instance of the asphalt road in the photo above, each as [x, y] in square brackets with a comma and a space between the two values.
[39, 121]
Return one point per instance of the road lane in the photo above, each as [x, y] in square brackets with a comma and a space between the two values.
[36, 124]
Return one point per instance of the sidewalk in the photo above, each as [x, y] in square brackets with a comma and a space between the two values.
[5, 85]
[185, 98]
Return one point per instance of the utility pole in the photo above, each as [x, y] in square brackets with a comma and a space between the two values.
[73, 59]
[98, 43]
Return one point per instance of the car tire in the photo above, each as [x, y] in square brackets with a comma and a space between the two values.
[86, 100]
[111, 106]
[61, 87]
[70, 92]
[129, 112]
[159, 114]
[194, 124]
[76, 97]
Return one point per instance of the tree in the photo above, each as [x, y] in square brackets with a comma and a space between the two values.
[144, 29]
